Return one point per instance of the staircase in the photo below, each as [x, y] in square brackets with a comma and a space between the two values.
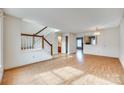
[31, 42]
[37, 43]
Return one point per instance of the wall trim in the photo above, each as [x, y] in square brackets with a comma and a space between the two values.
[101, 55]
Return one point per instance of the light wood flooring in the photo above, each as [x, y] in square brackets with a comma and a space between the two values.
[75, 69]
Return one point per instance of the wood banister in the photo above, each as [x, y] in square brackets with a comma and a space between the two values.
[47, 41]
[41, 30]
[43, 39]
[49, 44]
[22, 34]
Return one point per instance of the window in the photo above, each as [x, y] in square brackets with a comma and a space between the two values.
[79, 43]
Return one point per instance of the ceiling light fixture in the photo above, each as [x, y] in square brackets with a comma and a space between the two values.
[56, 30]
[97, 33]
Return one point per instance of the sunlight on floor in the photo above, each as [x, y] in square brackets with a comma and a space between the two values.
[79, 55]
[57, 76]
[91, 80]
[70, 74]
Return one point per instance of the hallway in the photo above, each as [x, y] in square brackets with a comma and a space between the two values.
[68, 69]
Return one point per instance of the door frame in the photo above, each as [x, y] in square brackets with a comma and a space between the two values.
[66, 44]
[59, 47]
[82, 43]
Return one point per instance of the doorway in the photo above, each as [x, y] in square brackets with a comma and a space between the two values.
[79, 43]
[59, 44]
[66, 44]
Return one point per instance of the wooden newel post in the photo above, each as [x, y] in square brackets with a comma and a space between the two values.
[51, 49]
[42, 41]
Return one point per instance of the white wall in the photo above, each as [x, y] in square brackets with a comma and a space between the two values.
[13, 55]
[122, 42]
[71, 43]
[64, 43]
[107, 43]
[1, 45]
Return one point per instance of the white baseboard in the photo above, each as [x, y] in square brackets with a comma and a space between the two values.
[101, 55]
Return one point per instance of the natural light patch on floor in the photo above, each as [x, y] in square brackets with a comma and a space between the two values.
[48, 78]
[91, 80]
[57, 76]
[67, 73]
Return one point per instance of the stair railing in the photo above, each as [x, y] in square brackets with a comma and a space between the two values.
[28, 41]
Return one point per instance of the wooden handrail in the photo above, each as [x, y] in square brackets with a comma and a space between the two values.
[41, 30]
[49, 44]
[22, 34]
[36, 36]
[47, 41]
[44, 39]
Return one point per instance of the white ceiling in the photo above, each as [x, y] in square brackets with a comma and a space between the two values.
[70, 20]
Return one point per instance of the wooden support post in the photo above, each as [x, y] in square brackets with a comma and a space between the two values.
[51, 49]
[42, 41]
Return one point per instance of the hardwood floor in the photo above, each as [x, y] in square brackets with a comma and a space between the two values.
[68, 69]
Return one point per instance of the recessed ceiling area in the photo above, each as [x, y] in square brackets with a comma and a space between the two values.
[70, 19]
